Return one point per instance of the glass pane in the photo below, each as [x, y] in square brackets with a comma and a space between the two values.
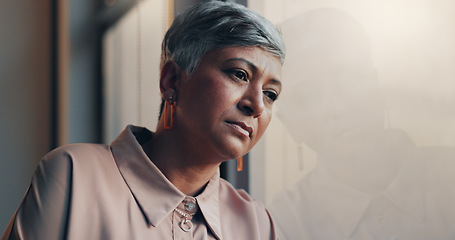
[362, 145]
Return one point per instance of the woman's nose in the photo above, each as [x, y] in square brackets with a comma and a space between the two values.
[252, 102]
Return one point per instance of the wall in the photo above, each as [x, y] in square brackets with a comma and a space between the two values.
[24, 97]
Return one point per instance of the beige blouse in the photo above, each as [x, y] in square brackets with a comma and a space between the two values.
[94, 191]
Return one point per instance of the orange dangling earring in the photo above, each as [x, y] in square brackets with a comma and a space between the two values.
[169, 108]
[240, 164]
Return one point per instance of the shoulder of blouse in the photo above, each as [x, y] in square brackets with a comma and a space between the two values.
[77, 150]
[44, 210]
[85, 155]
[245, 211]
[80, 159]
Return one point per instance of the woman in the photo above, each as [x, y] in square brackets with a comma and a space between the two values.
[220, 74]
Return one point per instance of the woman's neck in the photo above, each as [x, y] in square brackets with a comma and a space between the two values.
[184, 168]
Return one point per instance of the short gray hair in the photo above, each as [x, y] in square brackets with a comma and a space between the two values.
[215, 24]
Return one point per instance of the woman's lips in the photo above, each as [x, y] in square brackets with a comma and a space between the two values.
[241, 127]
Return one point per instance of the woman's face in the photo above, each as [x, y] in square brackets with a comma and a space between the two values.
[226, 104]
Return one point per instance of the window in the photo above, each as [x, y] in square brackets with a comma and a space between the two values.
[362, 144]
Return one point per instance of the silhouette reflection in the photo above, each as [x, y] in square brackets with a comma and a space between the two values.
[371, 181]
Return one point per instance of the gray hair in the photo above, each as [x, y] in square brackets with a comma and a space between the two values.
[215, 24]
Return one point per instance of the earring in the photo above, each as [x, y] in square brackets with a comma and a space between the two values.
[169, 108]
[240, 164]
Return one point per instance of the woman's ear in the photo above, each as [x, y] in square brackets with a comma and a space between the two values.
[170, 77]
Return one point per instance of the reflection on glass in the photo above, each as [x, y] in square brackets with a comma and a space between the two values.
[371, 181]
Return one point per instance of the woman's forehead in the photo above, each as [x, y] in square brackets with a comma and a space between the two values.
[255, 57]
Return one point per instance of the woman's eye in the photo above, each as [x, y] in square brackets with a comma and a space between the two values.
[271, 95]
[241, 75]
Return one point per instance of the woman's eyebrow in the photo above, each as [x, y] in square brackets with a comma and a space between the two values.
[244, 60]
[277, 82]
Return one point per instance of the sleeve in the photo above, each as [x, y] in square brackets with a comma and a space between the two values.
[44, 210]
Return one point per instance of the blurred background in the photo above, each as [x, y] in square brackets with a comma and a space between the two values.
[80, 71]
